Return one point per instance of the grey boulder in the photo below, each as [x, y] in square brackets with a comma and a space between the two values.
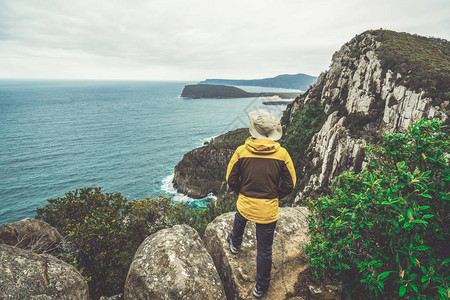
[173, 264]
[30, 234]
[27, 275]
[238, 272]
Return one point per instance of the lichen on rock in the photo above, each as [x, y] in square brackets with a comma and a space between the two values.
[173, 264]
[27, 275]
[30, 234]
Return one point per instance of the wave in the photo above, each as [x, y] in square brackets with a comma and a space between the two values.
[167, 187]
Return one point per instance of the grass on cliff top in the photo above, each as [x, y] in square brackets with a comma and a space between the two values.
[230, 140]
[424, 62]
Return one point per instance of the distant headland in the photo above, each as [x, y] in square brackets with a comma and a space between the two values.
[298, 81]
[199, 91]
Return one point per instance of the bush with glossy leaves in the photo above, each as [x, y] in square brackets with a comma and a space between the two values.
[384, 232]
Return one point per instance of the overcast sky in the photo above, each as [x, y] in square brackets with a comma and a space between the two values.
[195, 39]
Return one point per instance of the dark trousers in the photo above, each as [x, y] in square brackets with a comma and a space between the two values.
[264, 237]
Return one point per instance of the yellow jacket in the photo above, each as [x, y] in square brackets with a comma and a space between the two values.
[261, 172]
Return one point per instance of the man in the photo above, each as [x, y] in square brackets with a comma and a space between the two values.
[260, 172]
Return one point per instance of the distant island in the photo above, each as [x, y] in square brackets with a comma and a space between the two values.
[198, 91]
[286, 81]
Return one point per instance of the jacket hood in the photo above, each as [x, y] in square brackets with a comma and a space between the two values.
[261, 146]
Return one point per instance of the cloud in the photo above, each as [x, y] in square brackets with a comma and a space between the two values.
[192, 40]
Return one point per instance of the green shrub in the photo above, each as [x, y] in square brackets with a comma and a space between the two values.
[384, 232]
[424, 62]
[200, 218]
[307, 121]
[92, 224]
[103, 231]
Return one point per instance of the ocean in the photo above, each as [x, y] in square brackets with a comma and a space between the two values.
[124, 136]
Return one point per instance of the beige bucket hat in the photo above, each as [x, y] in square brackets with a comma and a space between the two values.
[264, 125]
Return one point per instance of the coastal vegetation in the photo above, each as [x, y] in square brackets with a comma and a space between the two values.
[425, 62]
[102, 231]
[230, 140]
[384, 232]
[306, 121]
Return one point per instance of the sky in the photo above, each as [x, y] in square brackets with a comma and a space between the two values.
[196, 39]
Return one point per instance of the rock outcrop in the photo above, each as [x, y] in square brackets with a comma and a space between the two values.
[363, 99]
[238, 272]
[30, 234]
[27, 275]
[211, 91]
[173, 264]
[202, 170]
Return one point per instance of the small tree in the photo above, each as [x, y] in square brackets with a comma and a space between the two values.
[384, 232]
[93, 226]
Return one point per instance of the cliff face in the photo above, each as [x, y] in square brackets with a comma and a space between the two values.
[379, 82]
[202, 170]
[362, 96]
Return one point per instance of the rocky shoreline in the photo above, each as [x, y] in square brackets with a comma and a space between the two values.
[202, 170]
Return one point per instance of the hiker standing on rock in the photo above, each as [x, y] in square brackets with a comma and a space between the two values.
[261, 172]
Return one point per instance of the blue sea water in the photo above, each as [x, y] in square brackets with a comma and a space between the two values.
[125, 136]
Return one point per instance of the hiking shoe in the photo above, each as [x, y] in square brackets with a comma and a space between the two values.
[259, 291]
[233, 249]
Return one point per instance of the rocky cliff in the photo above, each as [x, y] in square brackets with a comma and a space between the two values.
[380, 81]
[202, 170]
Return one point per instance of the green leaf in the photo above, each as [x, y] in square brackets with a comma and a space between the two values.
[428, 216]
[443, 292]
[377, 265]
[381, 284]
[410, 213]
[414, 287]
[402, 291]
[413, 260]
[422, 248]
[420, 222]
[384, 275]
[424, 279]
[426, 196]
